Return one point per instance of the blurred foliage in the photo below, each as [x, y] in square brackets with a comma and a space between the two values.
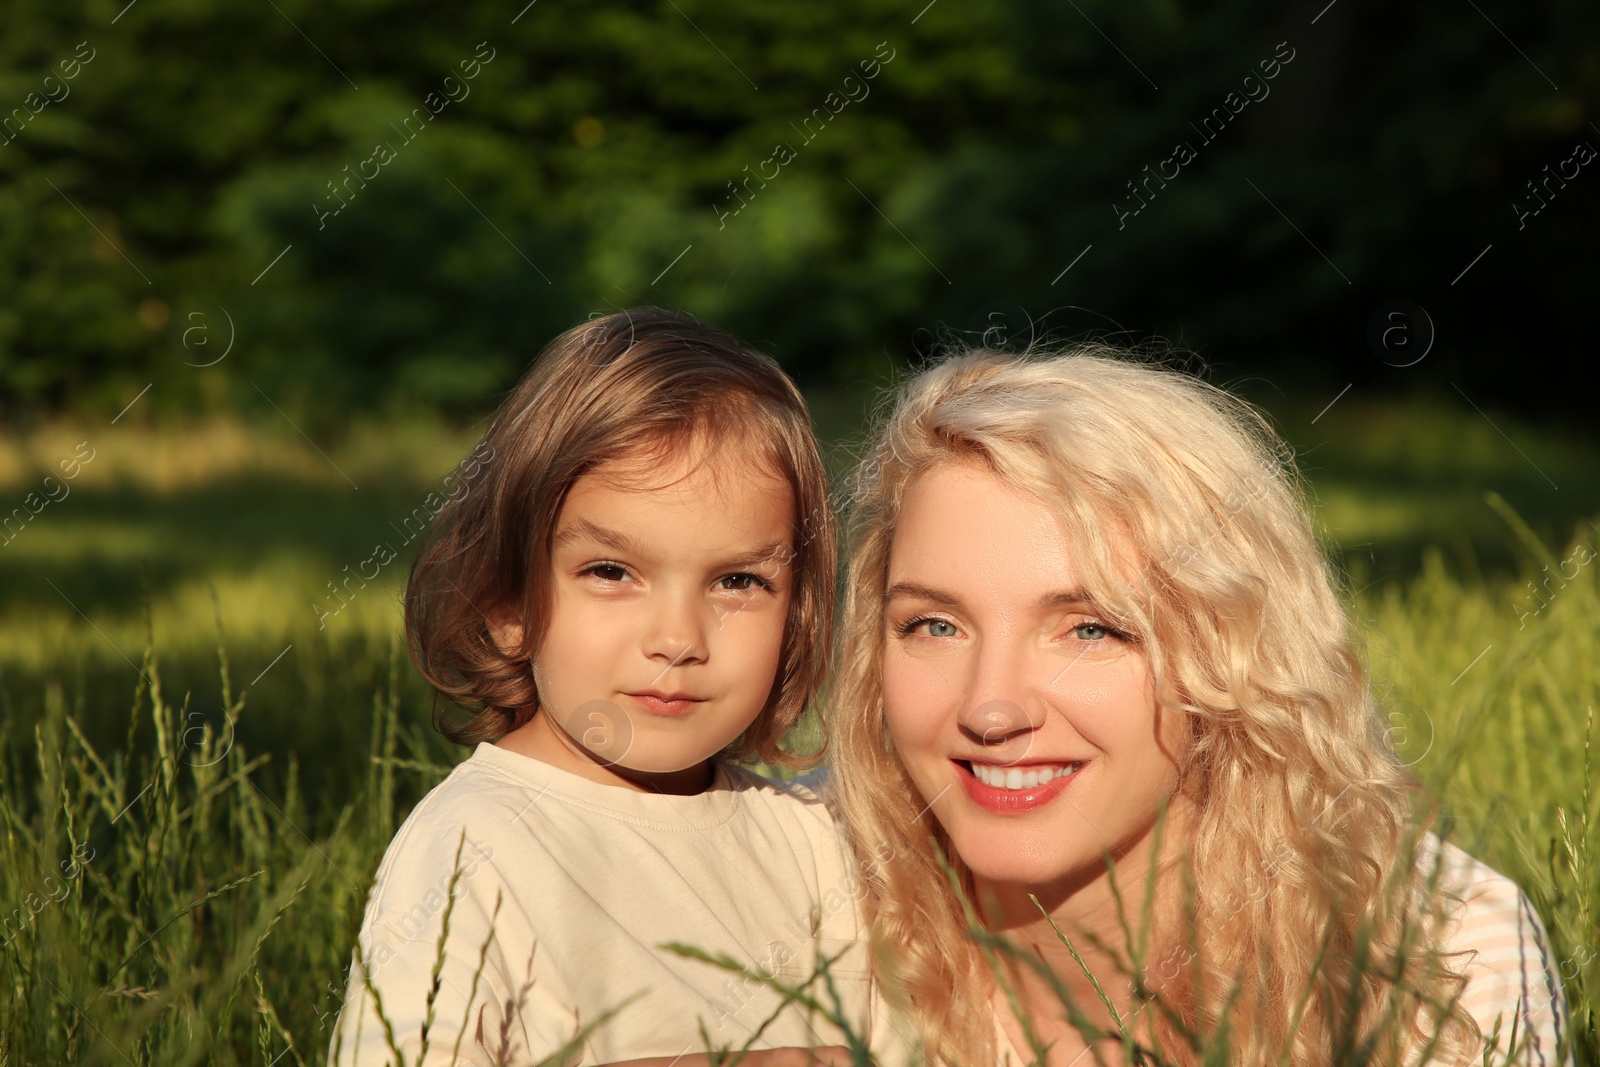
[588, 165]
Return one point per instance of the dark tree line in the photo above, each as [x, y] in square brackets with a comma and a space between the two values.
[390, 204]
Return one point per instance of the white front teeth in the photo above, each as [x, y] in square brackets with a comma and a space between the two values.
[1016, 778]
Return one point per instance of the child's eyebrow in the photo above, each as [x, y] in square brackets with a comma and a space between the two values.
[613, 539]
[627, 544]
[764, 554]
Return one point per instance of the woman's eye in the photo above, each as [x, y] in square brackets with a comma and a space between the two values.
[1093, 631]
[608, 572]
[932, 627]
[743, 583]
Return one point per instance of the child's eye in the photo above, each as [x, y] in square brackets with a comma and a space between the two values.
[607, 572]
[935, 627]
[743, 583]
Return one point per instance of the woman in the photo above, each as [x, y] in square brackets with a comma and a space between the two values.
[1094, 660]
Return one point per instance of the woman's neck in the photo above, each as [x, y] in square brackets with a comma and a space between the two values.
[1076, 929]
[1081, 928]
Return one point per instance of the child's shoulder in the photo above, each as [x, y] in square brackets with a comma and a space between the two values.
[808, 800]
[476, 791]
[495, 794]
[478, 809]
[812, 790]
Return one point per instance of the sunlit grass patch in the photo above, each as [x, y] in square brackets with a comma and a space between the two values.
[215, 919]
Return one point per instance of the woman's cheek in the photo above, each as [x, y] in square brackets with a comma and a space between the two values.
[894, 699]
[913, 697]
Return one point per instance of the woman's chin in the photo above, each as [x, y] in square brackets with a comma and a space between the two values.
[1012, 860]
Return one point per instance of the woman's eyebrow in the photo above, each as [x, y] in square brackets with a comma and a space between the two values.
[1056, 599]
[921, 592]
[1065, 597]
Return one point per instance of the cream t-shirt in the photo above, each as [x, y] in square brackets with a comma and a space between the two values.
[590, 880]
[1499, 944]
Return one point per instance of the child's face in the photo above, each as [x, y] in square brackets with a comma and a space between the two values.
[670, 591]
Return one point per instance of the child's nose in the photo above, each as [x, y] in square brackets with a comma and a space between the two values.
[677, 634]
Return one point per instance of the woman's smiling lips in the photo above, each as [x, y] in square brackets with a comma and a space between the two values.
[658, 703]
[1007, 789]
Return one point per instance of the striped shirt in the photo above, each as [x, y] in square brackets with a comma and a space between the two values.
[1512, 974]
[1496, 940]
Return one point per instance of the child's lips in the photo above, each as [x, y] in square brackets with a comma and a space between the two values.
[659, 703]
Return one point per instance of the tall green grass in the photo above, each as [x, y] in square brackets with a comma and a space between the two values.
[173, 899]
[189, 821]
[163, 902]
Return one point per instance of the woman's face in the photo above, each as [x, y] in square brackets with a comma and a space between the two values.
[1028, 723]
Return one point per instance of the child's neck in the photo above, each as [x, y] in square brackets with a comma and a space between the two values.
[540, 739]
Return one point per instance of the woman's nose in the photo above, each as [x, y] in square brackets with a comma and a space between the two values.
[1004, 727]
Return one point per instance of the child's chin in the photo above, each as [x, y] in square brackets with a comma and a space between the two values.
[636, 762]
[663, 749]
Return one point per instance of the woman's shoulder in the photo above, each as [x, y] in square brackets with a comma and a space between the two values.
[1491, 915]
[1494, 937]
[1466, 875]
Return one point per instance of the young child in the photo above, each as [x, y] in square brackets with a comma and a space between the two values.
[636, 588]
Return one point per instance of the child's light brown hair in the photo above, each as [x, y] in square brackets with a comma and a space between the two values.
[643, 383]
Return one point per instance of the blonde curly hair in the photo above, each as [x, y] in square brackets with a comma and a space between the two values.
[1237, 610]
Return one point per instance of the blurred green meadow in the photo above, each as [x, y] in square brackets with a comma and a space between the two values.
[205, 760]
